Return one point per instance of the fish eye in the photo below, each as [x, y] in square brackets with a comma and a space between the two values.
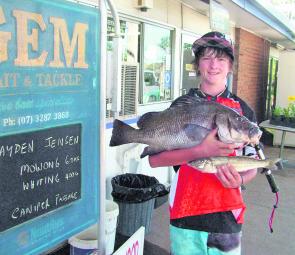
[201, 162]
[241, 119]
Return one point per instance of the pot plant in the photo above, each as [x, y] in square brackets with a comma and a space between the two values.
[277, 116]
[286, 117]
[292, 115]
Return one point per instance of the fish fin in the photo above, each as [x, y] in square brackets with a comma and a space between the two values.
[279, 164]
[186, 100]
[195, 132]
[150, 151]
[146, 119]
[120, 133]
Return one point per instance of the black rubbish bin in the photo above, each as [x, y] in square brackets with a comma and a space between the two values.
[162, 196]
[135, 195]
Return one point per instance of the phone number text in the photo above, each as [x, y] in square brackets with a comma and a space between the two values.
[36, 118]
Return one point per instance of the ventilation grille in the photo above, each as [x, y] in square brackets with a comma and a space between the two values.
[129, 85]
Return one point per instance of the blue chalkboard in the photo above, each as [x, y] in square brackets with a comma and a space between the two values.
[49, 122]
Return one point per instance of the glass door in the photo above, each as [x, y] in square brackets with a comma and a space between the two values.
[189, 77]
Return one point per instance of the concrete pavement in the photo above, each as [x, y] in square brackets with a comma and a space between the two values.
[257, 239]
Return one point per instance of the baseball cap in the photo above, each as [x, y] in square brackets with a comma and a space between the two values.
[214, 40]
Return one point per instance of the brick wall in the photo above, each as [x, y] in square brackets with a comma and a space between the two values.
[250, 70]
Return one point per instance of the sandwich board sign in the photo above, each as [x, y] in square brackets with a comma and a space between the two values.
[134, 245]
[49, 120]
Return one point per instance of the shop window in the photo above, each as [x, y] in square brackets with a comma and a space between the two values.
[189, 74]
[146, 65]
[156, 74]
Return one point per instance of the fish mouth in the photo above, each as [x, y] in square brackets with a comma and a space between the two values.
[254, 139]
[242, 140]
[254, 142]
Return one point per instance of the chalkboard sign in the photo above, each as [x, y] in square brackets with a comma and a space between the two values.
[40, 171]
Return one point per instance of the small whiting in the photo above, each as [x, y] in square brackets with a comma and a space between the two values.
[240, 163]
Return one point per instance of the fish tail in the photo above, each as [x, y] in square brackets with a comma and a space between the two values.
[121, 134]
[275, 164]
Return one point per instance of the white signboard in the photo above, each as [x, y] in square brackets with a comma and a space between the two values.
[134, 245]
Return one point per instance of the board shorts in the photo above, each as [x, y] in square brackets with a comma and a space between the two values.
[194, 242]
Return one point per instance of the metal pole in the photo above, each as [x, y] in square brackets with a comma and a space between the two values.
[102, 183]
[116, 106]
[282, 144]
[117, 60]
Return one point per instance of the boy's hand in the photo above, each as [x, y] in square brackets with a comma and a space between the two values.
[211, 146]
[229, 176]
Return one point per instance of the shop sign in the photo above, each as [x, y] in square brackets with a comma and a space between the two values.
[49, 119]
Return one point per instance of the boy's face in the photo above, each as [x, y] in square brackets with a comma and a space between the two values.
[214, 68]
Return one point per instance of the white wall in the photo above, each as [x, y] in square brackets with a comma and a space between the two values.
[164, 11]
[274, 52]
[194, 21]
[285, 88]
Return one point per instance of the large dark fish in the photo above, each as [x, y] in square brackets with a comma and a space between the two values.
[185, 124]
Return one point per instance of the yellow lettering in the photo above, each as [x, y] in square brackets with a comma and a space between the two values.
[24, 39]
[61, 36]
[4, 38]
[62, 79]
[8, 80]
[2, 17]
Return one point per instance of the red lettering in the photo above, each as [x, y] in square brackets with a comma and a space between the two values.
[134, 250]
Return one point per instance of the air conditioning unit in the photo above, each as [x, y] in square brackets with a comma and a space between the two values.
[129, 94]
[144, 5]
